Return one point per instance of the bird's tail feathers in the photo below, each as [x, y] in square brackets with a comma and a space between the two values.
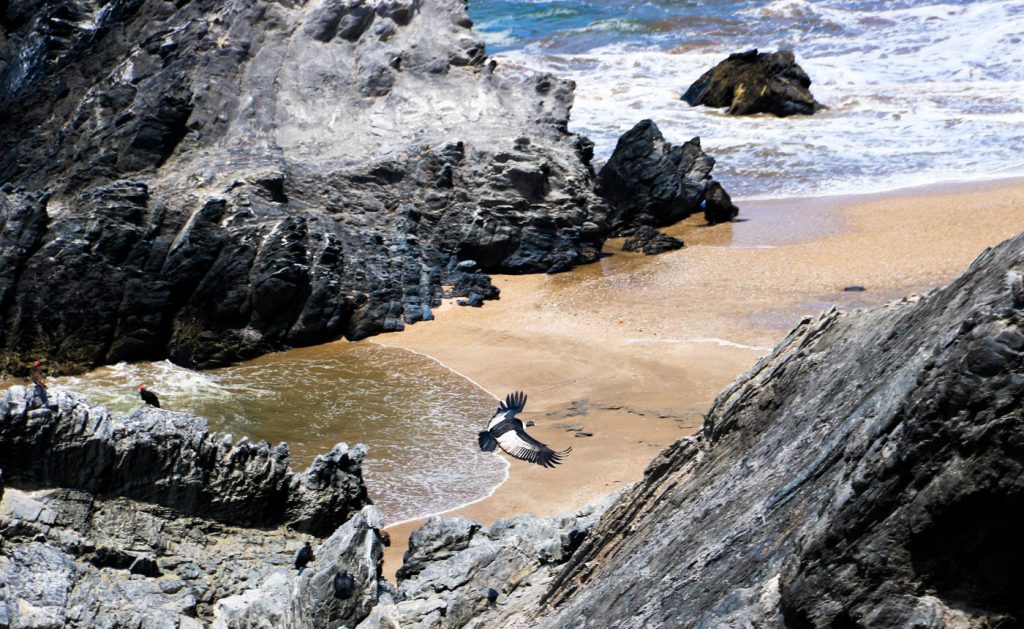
[487, 441]
[515, 401]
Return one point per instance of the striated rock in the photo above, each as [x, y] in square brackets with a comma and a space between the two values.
[171, 459]
[865, 473]
[649, 181]
[219, 180]
[751, 83]
[651, 241]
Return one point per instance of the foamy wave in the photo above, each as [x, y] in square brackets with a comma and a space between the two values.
[712, 341]
[916, 95]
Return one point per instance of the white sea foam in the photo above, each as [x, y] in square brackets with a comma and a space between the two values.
[713, 341]
[916, 95]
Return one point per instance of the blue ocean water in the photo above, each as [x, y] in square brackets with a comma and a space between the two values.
[918, 92]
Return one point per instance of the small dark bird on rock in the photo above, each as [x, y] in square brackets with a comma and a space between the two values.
[148, 396]
[491, 595]
[304, 556]
[344, 584]
[506, 431]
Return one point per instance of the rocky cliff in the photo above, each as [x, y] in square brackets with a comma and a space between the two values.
[208, 181]
[868, 472]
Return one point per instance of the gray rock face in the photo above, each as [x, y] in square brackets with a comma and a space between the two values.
[751, 82]
[648, 181]
[866, 473]
[219, 179]
[452, 564]
[171, 459]
[64, 556]
[338, 589]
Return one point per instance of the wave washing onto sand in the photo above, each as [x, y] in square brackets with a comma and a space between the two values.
[917, 93]
[419, 418]
[712, 341]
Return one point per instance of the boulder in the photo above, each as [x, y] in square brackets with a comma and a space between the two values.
[651, 241]
[717, 204]
[751, 83]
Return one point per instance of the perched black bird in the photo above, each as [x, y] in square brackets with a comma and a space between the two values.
[491, 595]
[344, 584]
[506, 431]
[304, 556]
[148, 396]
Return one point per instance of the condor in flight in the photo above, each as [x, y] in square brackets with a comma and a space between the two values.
[506, 431]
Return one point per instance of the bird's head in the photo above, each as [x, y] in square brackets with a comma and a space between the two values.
[142, 387]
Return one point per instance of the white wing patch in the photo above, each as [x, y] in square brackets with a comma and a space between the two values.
[512, 443]
[499, 417]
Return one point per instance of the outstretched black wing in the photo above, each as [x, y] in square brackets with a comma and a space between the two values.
[515, 402]
[517, 443]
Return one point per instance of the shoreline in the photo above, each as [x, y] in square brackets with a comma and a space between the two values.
[593, 350]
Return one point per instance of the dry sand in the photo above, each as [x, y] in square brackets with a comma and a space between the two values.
[633, 349]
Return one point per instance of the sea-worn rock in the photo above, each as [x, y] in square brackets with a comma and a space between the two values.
[211, 181]
[751, 82]
[172, 459]
[651, 241]
[649, 181]
[867, 472]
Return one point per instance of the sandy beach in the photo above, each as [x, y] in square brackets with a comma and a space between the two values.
[622, 357]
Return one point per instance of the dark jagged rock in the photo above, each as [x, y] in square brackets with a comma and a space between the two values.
[218, 180]
[171, 459]
[649, 181]
[651, 241]
[751, 83]
[866, 473]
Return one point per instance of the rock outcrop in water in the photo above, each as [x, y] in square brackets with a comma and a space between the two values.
[751, 83]
[171, 459]
[648, 181]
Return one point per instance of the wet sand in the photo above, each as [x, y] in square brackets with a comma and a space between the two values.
[633, 349]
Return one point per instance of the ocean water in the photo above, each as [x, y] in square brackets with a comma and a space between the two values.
[917, 92]
[419, 419]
